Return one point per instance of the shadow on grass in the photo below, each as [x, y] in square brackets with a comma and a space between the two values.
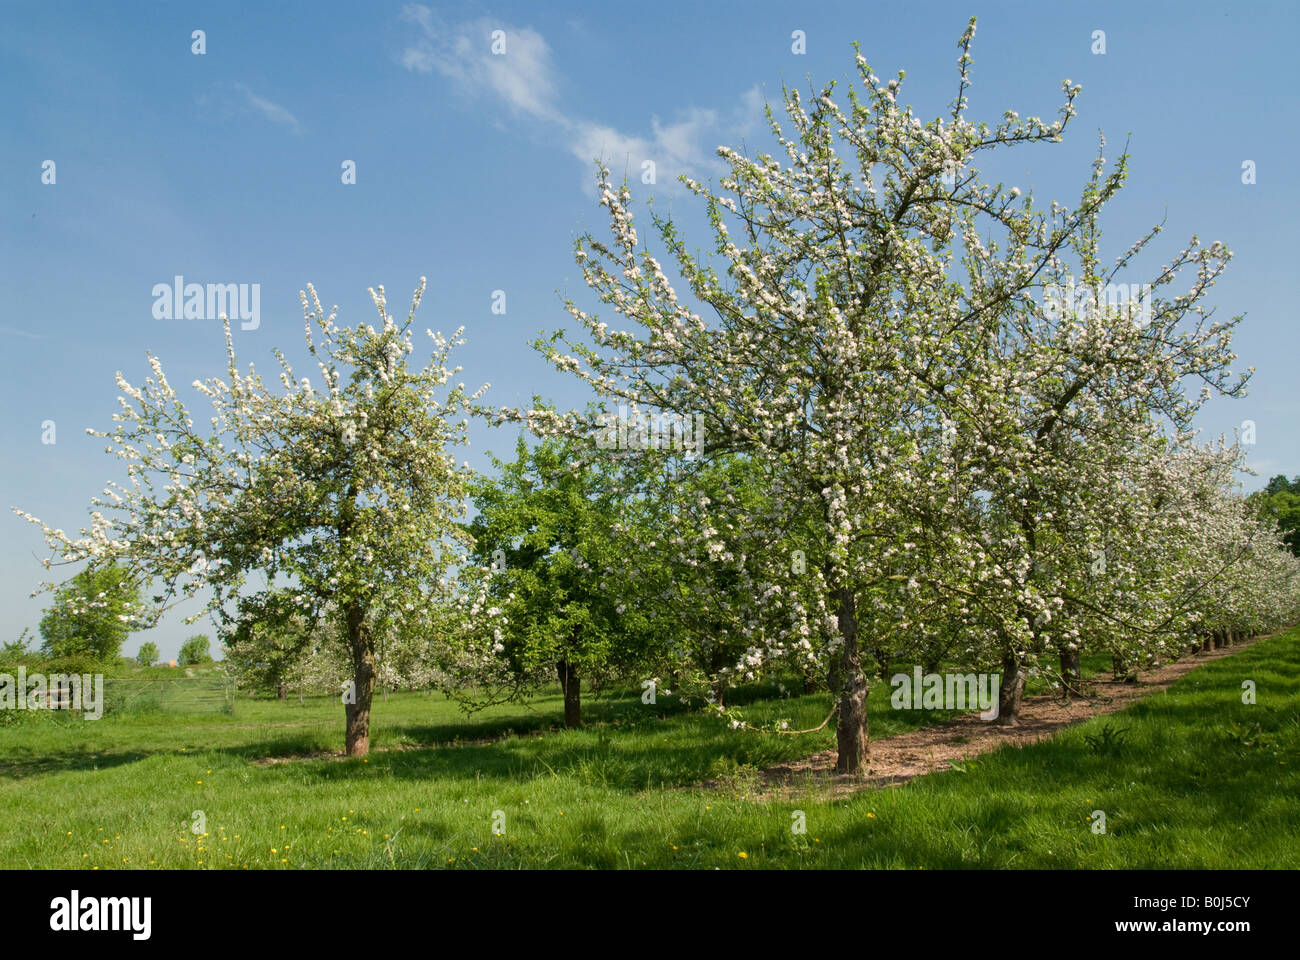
[16, 768]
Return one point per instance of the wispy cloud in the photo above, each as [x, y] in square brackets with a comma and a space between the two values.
[524, 77]
[15, 332]
[272, 111]
[526, 81]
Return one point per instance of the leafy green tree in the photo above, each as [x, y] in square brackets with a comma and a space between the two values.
[195, 650]
[1279, 484]
[546, 533]
[148, 654]
[92, 614]
[18, 647]
[1279, 503]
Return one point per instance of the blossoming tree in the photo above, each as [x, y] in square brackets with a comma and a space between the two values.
[346, 494]
[929, 423]
[837, 298]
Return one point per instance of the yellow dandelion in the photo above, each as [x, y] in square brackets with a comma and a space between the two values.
[743, 855]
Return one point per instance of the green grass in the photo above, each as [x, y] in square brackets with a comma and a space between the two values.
[1187, 778]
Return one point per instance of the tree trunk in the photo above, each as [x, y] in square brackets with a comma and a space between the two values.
[717, 682]
[1122, 670]
[280, 692]
[1071, 674]
[1011, 692]
[851, 733]
[363, 678]
[571, 686]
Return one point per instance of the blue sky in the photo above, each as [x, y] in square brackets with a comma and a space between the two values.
[476, 171]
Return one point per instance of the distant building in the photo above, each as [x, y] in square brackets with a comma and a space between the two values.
[171, 663]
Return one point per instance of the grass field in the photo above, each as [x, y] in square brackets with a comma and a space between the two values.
[1191, 777]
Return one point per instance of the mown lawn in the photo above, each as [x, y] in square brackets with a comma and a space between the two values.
[1192, 778]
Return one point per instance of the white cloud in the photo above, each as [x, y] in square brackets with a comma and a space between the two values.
[751, 114]
[523, 76]
[272, 111]
[590, 142]
[526, 81]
